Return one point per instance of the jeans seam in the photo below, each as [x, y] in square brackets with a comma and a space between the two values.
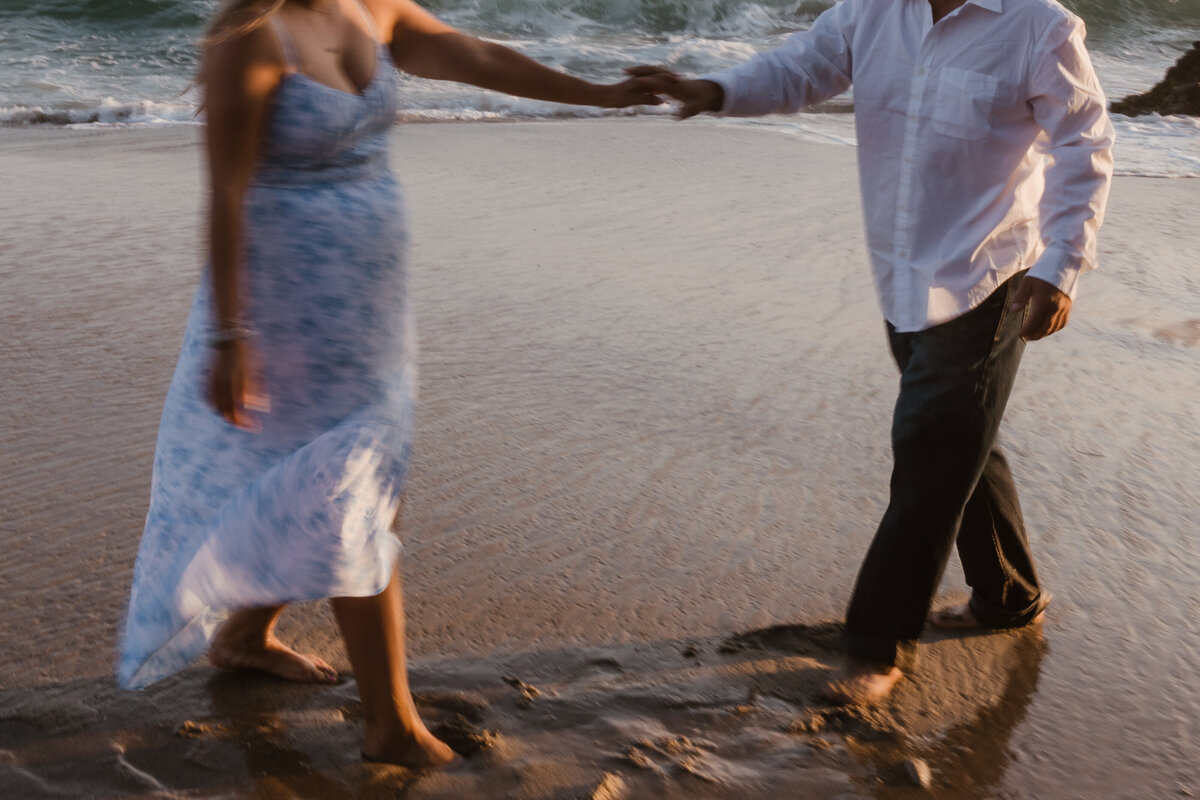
[984, 374]
[1003, 317]
[980, 388]
[1005, 566]
[1012, 287]
[977, 401]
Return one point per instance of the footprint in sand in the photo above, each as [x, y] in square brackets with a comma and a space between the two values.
[465, 738]
[673, 755]
[1185, 333]
[472, 707]
[462, 727]
[527, 693]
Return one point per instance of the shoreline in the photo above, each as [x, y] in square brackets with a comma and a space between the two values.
[1149, 146]
[651, 448]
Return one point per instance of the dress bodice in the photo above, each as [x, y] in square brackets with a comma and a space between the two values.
[319, 134]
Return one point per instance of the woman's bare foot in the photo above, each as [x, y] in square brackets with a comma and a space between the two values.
[961, 618]
[862, 683]
[416, 750]
[243, 642]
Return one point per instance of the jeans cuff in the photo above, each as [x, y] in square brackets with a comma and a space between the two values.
[880, 649]
[991, 615]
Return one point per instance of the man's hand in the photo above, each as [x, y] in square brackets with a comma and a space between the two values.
[695, 96]
[1049, 308]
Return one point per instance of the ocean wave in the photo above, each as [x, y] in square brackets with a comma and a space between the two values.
[739, 17]
[1121, 13]
[1157, 146]
[1109, 20]
[78, 62]
[648, 17]
[117, 13]
[108, 112]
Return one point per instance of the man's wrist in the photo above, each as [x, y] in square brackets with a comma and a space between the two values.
[716, 96]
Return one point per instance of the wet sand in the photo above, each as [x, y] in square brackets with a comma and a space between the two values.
[651, 450]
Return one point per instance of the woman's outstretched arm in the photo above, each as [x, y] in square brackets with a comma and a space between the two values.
[426, 47]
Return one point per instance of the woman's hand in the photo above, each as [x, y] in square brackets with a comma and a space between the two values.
[234, 388]
[634, 91]
[694, 96]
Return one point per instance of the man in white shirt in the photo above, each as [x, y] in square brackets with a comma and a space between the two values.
[984, 157]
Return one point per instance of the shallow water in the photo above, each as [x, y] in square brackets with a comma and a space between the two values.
[644, 424]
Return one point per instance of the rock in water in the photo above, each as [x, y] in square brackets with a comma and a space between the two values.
[1177, 93]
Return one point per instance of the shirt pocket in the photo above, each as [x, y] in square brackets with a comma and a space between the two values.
[962, 103]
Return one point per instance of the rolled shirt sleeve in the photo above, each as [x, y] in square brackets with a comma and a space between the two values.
[1070, 108]
[810, 66]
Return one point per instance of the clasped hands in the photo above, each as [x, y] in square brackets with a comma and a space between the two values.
[694, 96]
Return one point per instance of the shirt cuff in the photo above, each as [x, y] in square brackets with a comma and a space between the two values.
[1060, 268]
[726, 82]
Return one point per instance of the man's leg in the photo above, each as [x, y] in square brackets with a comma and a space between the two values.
[995, 555]
[955, 382]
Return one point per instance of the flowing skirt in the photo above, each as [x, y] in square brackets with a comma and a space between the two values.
[303, 508]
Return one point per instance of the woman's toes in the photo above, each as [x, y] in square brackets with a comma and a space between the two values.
[275, 658]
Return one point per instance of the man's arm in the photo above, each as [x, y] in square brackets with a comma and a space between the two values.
[1070, 107]
[811, 66]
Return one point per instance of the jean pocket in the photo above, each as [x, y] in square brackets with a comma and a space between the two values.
[1008, 292]
[962, 103]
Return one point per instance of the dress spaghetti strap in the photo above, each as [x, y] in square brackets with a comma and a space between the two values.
[290, 54]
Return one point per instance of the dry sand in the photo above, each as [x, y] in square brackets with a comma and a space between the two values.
[652, 448]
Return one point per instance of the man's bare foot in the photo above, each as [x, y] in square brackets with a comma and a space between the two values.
[268, 654]
[417, 750]
[961, 618]
[862, 683]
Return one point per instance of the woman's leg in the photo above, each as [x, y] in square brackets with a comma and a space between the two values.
[247, 641]
[373, 628]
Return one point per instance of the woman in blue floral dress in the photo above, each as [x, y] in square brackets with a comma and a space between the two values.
[286, 430]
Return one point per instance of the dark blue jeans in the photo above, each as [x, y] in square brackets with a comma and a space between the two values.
[950, 484]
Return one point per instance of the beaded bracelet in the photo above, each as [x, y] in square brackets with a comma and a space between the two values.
[231, 332]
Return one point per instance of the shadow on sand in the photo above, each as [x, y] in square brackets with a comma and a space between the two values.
[729, 717]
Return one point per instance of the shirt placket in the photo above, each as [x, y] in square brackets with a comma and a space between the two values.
[905, 284]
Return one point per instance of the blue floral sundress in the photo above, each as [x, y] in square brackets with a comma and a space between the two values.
[302, 509]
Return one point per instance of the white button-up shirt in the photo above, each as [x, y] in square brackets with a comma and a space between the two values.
[984, 147]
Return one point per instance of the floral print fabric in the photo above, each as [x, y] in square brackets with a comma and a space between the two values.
[301, 509]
